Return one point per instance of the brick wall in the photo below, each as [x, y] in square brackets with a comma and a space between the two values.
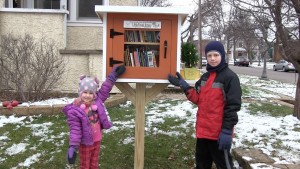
[2, 3]
[84, 38]
[50, 25]
[81, 45]
[89, 64]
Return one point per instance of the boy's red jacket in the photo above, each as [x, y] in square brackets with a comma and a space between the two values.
[218, 96]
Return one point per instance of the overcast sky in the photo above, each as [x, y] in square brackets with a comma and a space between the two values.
[190, 4]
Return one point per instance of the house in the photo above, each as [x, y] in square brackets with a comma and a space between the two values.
[239, 51]
[72, 24]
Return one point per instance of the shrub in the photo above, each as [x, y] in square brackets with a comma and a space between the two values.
[31, 68]
[189, 54]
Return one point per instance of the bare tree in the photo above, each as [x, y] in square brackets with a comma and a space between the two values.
[284, 15]
[242, 27]
[158, 3]
[200, 19]
[30, 68]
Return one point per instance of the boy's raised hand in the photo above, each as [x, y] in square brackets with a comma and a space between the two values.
[173, 80]
[178, 81]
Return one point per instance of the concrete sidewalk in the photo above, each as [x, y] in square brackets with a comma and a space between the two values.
[255, 158]
[114, 100]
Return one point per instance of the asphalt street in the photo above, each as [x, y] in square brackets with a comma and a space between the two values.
[286, 77]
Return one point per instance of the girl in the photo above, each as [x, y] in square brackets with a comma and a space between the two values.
[87, 116]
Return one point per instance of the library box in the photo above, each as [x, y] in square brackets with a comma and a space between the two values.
[147, 40]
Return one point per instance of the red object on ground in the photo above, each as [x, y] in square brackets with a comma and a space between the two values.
[5, 103]
[14, 103]
[9, 107]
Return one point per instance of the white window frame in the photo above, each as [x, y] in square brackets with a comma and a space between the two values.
[30, 4]
[75, 20]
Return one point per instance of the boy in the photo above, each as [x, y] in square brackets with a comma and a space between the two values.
[218, 96]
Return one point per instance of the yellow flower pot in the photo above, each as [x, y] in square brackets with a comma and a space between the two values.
[190, 73]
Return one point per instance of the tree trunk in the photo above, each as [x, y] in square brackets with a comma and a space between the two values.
[297, 99]
[277, 55]
[227, 49]
[234, 47]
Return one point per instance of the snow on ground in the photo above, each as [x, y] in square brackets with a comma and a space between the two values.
[251, 128]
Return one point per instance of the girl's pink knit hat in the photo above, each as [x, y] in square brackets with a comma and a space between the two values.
[88, 84]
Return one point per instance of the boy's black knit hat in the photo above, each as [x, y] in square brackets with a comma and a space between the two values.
[217, 47]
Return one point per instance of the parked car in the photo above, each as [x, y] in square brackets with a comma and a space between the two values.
[284, 66]
[241, 62]
[204, 61]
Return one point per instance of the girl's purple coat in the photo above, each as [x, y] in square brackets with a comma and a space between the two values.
[79, 124]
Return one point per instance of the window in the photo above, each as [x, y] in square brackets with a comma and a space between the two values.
[83, 11]
[240, 53]
[47, 4]
[240, 44]
[36, 4]
[79, 10]
[87, 8]
[15, 3]
[6, 4]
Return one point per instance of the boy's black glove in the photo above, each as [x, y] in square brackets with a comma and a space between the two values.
[178, 81]
[225, 139]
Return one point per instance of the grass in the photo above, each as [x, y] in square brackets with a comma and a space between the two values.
[297, 128]
[42, 136]
[272, 109]
[245, 91]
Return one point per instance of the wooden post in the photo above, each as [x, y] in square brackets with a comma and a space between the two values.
[140, 97]
[139, 125]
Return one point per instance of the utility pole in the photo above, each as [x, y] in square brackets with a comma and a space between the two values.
[265, 48]
[264, 73]
[199, 34]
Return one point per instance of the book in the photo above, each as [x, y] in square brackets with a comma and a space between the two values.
[136, 58]
[126, 57]
[142, 58]
[150, 56]
[141, 36]
[154, 60]
[132, 60]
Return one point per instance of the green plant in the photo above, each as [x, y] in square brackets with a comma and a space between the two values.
[189, 54]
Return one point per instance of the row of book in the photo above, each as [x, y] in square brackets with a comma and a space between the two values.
[142, 36]
[140, 58]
